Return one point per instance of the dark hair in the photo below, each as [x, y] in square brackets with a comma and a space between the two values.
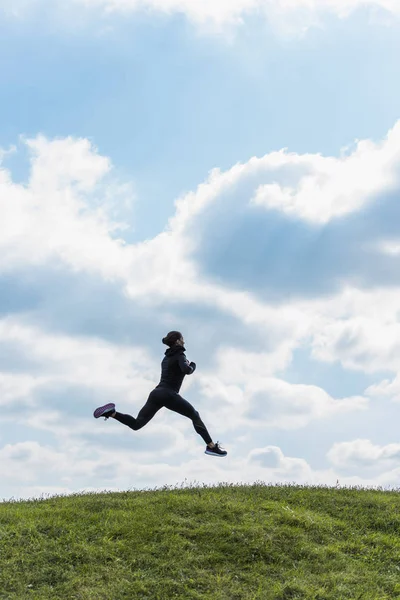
[171, 338]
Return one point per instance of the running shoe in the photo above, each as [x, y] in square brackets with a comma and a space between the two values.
[216, 451]
[104, 411]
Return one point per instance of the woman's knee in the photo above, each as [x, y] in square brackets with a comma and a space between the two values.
[196, 417]
[140, 423]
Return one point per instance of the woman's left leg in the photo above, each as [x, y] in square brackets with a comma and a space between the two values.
[181, 406]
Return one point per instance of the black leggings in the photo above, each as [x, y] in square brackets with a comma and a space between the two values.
[158, 398]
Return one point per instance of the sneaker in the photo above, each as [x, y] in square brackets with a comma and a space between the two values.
[216, 451]
[104, 411]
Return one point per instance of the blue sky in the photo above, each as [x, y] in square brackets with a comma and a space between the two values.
[274, 268]
[168, 103]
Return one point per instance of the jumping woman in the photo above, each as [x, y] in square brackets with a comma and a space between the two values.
[174, 367]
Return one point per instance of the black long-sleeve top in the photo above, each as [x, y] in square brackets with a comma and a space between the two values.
[174, 367]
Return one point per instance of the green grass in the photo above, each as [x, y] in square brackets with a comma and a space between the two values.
[223, 543]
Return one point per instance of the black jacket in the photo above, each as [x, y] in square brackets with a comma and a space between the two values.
[174, 367]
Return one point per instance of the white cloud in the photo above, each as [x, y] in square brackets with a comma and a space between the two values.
[287, 17]
[386, 389]
[281, 466]
[362, 453]
[18, 386]
[359, 328]
[59, 217]
[334, 187]
[55, 217]
[79, 359]
[388, 247]
[23, 459]
[63, 163]
[52, 218]
[292, 15]
[236, 365]
[277, 403]
[74, 467]
[252, 397]
[271, 464]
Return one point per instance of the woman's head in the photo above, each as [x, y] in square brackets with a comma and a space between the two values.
[172, 338]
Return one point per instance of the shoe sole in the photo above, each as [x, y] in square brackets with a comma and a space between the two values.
[103, 409]
[215, 454]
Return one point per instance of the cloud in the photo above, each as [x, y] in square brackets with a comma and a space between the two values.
[65, 163]
[311, 187]
[386, 388]
[52, 219]
[284, 467]
[242, 390]
[373, 466]
[286, 17]
[359, 328]
[362, 454]
[57, 234]
[28, 457]
[334, 187]
[74, 467]
[298, 14]
[276, 403]
[216, 245]
[18, 387]
[60, 225]
[50, 216]
[318, 244]
[249, 283]
[53, 383]
[237, 365]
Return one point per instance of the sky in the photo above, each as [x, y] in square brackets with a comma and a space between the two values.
[229, 169]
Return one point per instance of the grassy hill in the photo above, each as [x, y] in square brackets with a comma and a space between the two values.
[223, 543]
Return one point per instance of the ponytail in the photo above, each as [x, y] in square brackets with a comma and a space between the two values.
[171, 338]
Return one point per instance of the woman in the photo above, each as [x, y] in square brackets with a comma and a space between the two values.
[174, 367]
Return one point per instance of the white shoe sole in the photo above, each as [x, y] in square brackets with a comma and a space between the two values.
[214, 454]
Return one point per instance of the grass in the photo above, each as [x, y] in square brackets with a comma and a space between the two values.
[229, 542]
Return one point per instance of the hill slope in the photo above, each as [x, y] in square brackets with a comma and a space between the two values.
[224, 543]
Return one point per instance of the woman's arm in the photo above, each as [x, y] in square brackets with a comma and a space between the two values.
[187, 367]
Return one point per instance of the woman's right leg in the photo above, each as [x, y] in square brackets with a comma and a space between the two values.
[176, 403]
[181, 406]
[146, 413]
